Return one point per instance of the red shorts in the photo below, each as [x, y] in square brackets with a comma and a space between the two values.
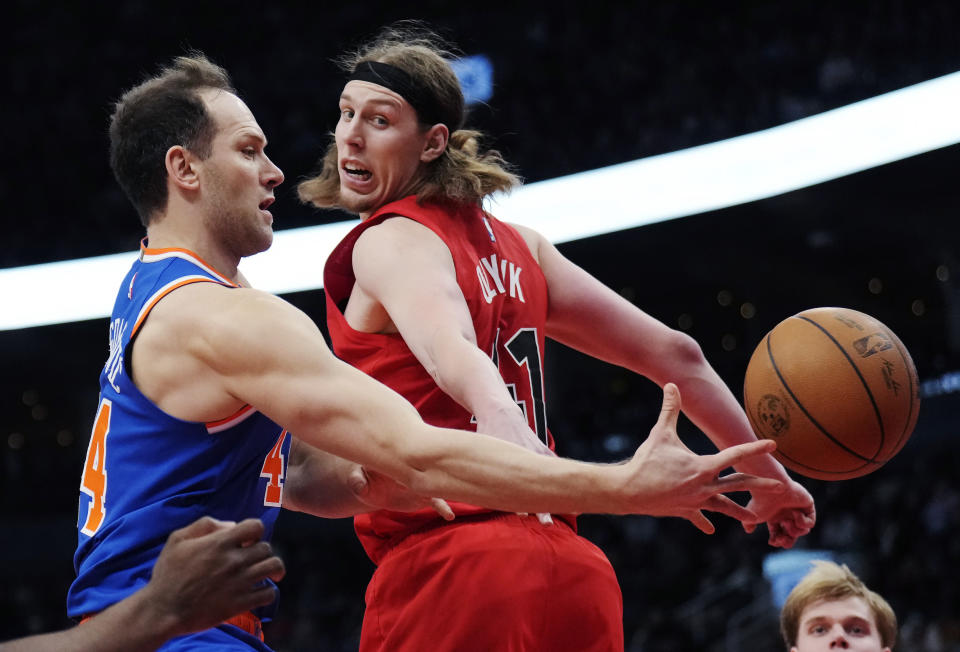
[501, 583]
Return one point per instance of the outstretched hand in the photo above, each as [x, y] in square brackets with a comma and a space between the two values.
[671, 480]
[211, 570]
[383, 492]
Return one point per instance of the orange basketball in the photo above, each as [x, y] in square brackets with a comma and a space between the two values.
[836, 390]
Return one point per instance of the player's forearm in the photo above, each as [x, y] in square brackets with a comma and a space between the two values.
[468, 375]
[713, 408]
[500, 475]
[634, 340]
[318, 483]
[367, 422]
[128, 626]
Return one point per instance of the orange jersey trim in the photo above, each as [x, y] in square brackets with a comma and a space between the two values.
[220, 425]
[149, 255]
[248, 623]
[162, 292]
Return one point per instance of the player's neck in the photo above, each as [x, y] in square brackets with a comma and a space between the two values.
[167, 232]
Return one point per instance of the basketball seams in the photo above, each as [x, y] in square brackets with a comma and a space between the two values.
[821, 474]
[863, 382]
[802, 362]
[796, 401]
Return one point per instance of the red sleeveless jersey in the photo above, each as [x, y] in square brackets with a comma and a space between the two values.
[506, 294]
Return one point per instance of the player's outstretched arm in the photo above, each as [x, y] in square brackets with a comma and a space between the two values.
[581, 306]
[206, 573]
[254, 348]
[271, 355]
[267, 353]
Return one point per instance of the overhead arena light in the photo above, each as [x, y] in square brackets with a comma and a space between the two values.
[799, 154]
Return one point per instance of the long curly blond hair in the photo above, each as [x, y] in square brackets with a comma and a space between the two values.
[464, 173]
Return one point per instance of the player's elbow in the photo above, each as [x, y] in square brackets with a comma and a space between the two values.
[686, 349]
[681, 355]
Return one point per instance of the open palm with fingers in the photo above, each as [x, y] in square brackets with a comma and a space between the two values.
[671, 480]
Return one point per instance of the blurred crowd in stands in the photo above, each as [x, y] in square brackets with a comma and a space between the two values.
[575, 88]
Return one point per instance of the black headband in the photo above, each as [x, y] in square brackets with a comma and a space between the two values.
[428, 108]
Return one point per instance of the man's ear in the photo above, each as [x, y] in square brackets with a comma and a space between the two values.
[435, 143]
[180, 167]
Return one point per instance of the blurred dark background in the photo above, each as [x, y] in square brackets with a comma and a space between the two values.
[575, 88]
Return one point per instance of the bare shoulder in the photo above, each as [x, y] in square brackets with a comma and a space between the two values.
[397, 234]
[398, 244]
[534, 240]
[200, 336]
[213, 312]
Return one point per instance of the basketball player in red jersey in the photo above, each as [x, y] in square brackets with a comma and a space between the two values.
[207, 379]
[450, 307]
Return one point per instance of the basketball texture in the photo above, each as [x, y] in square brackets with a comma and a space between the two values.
[837, 391]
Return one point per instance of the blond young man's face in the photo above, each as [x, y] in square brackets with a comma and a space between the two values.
[847, 624]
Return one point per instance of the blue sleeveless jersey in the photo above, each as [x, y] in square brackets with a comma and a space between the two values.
[147, 473]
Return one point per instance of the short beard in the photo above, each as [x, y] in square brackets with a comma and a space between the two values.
[241, 233]
[237, 232]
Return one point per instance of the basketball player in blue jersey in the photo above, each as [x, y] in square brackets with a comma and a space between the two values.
[206, 380]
